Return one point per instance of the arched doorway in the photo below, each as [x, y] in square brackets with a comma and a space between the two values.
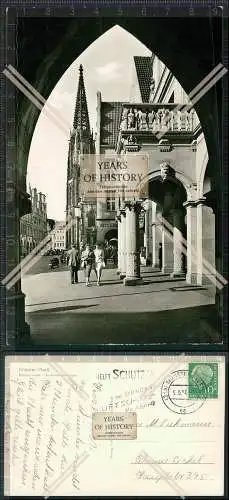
[111, 248]
[111, 237]
[166, 225]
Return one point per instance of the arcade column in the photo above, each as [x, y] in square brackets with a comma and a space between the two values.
[200, 243]
[156, 236]
[122, 243]
[147, 207]
[178, 230]
[132, 210]
[17, 330]
[118, 220]
[167, 244]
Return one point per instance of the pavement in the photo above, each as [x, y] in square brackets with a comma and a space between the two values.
[159, 310]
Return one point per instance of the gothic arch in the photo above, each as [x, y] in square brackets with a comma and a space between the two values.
[53, 61]
[179, 177]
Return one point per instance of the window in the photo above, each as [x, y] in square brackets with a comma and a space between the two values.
[110, 204]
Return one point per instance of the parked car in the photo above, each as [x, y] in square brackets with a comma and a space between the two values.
[54, 263]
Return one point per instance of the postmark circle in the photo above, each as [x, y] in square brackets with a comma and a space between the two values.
[174, 394]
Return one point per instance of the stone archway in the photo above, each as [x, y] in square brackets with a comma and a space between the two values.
[112, 234]
[165, 223]
[192, 65]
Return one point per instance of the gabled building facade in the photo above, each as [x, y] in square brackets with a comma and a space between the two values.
[33, 226]
[175, 223]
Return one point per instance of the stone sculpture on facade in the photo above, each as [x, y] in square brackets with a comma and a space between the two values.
[166, 171]
[161, 119]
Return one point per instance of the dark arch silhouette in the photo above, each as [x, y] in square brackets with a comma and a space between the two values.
[65, 40]
[112, 234]
[189, 47]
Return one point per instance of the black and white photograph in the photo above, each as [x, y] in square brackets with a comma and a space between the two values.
[116, 181]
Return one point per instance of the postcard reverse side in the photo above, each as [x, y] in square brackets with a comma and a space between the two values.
[136, 426]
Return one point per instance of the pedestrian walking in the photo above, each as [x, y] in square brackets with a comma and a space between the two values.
[74, 262]
[87, 262]
[99, 262]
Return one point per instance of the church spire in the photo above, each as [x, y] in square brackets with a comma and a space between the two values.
[81, 118]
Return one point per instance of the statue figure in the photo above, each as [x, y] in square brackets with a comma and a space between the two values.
[167, 119]
[131, 119]
[157, 120]
[165, 171]
[176, 119]
[138, 118]
[143, 120]
[124, 122]
[163, 118]
[131, 139]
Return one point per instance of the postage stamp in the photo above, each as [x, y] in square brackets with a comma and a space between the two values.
[114, 425]
[175, 393]
[203, 380]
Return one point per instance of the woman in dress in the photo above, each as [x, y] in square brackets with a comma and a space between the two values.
[88, 261]
[99, 262]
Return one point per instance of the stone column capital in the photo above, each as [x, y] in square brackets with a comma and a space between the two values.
[194, 203]
[156, 224]
[118, 217]
[133, 206]
[146, 204]
[122, 212]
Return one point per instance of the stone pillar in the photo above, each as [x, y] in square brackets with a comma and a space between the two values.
[167, 248]
[178, 228]
[156, 236]
[16, 329]
[200, 243]
[132, 243]
[146, 207]
[118, 219]
[207, 273]
[191, 276]
[123, 244]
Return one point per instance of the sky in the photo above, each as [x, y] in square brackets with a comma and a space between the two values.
[107, 65]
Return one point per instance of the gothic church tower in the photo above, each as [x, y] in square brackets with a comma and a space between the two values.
[80, 142]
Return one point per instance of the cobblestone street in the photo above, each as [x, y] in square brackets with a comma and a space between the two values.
[155, 311]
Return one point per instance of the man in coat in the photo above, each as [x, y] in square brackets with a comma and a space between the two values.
[74, 262]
